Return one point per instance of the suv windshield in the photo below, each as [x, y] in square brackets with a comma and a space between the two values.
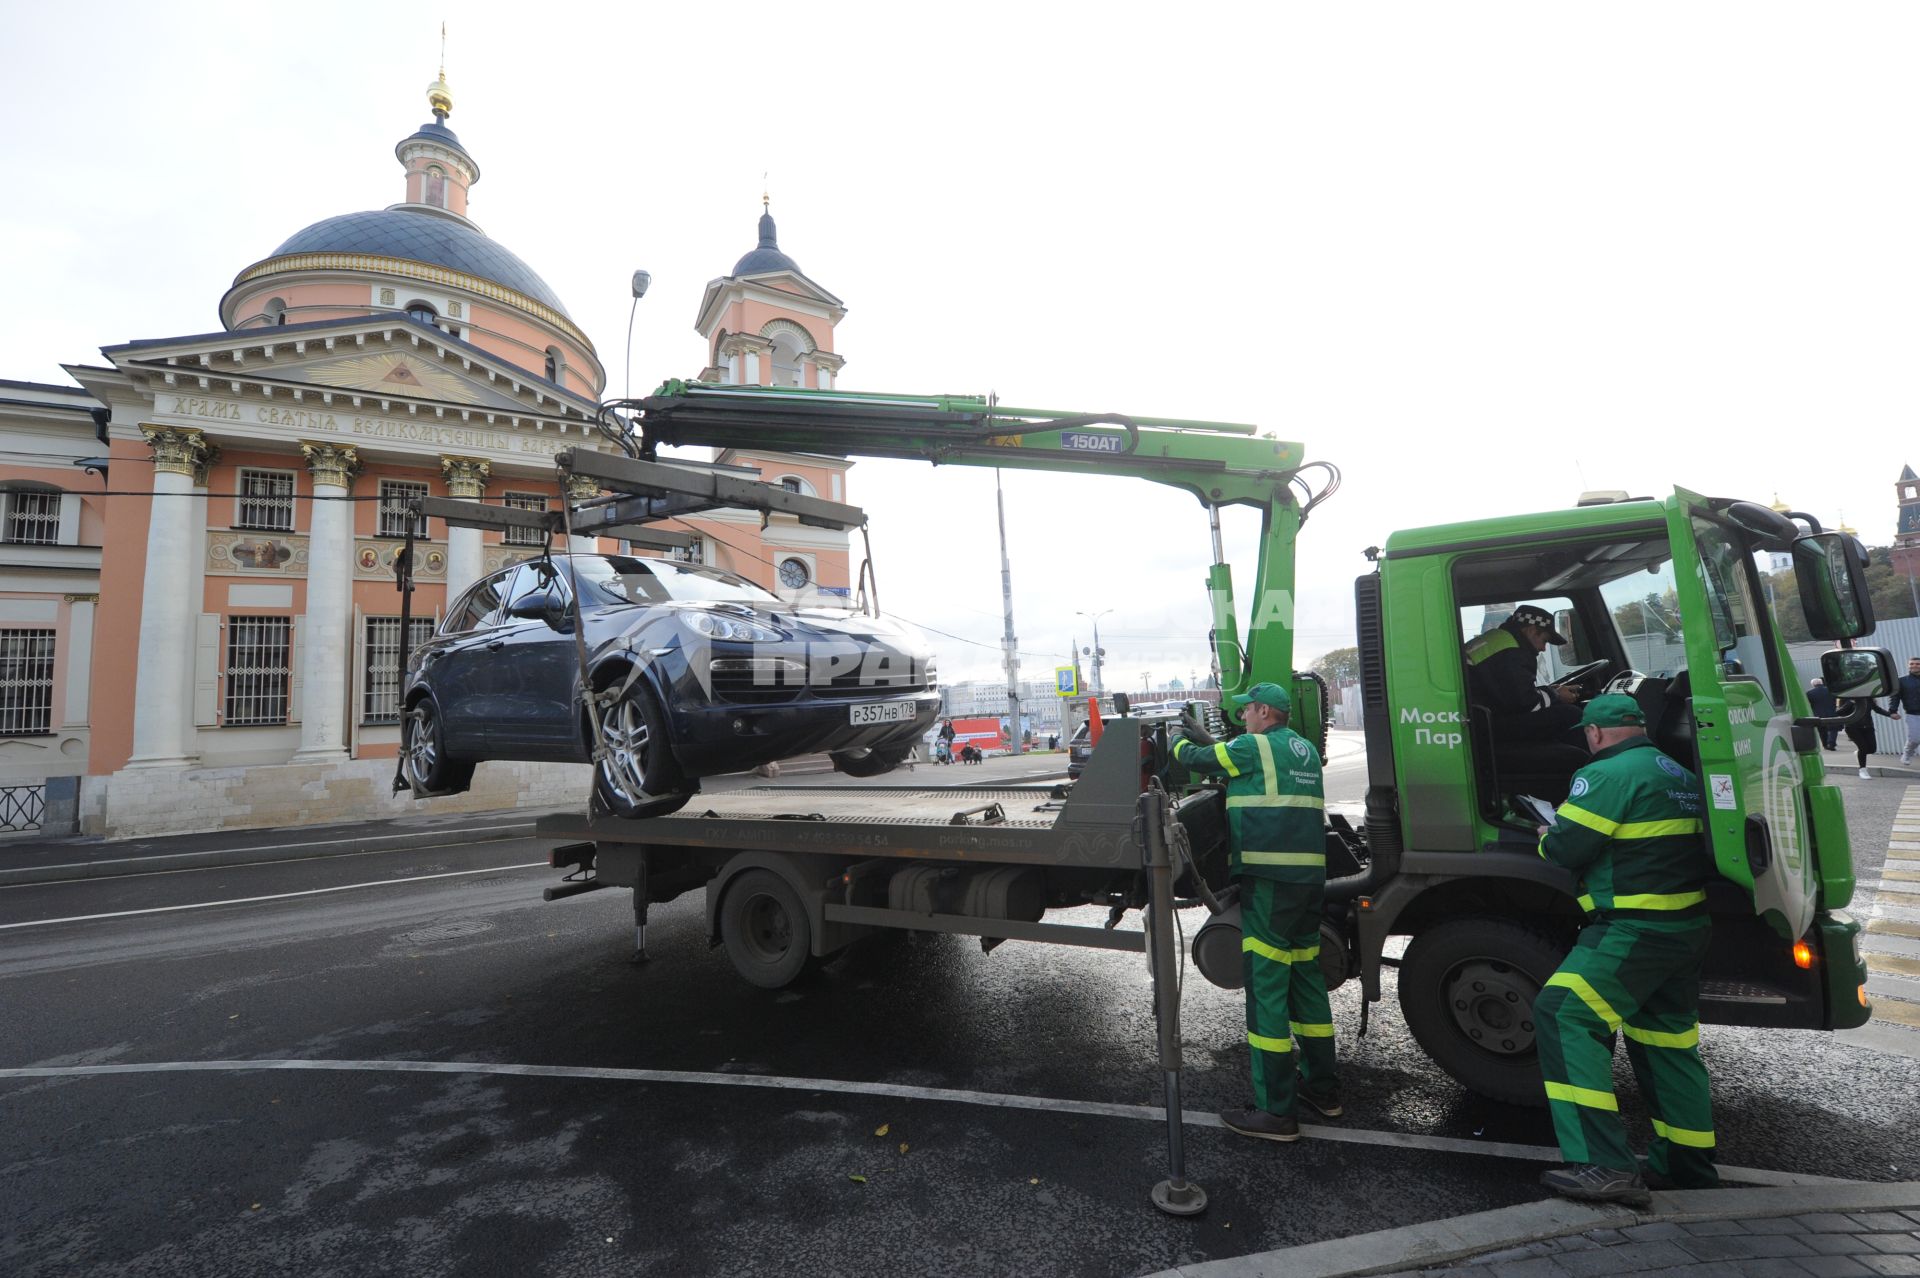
[627, 579]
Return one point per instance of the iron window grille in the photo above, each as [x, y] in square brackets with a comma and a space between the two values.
[26, 683]
[266, 500]
[381, 703]
[259, 670]
[525, 536]
[33, 517]
[394, 496]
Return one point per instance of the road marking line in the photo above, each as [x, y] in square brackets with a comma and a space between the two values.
[485, 833]
[278, 896]
[1892, 964]
[1891, 1009]
[1903, 876]
[1893, 927]
[898, 1091]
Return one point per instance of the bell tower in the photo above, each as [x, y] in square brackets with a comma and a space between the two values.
[1906, 541]
[766, 324]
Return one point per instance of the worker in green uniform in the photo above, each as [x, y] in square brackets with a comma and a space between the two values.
[1631, 830]
[1277, 831]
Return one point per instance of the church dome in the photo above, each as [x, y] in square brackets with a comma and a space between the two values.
[422, 235]
[767, 257]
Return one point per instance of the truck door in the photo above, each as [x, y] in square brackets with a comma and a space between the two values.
[1756, 819]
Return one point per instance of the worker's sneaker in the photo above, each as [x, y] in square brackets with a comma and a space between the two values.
[1327, 1106]
[1866, 774]
[1591, 1183]
[1259, 1123]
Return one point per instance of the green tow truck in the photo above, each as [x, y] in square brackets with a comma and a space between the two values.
[1660, 599]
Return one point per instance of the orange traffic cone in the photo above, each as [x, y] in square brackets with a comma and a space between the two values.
[1094, 725]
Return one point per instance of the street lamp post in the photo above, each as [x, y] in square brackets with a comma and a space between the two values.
[1099, 688]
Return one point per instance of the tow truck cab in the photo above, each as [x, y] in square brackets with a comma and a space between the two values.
[1660, 599]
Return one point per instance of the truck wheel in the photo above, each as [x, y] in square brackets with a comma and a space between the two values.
[765, 929]
[1466, 990]
[870, 761]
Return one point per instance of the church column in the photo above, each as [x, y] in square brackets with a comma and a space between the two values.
[466, 480]
[161, 718]
[324, 641]
[581, 488]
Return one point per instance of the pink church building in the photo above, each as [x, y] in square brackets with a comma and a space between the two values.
[223, 653]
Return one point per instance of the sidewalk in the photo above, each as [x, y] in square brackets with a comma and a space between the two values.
[1855, 1228]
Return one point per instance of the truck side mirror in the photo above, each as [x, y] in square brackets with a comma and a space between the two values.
[1831, 572]
[1858, 674]
[1122, 704]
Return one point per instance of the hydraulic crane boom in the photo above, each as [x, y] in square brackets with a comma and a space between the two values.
[1219, 463]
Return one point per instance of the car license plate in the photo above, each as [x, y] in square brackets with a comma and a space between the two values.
[884, 712]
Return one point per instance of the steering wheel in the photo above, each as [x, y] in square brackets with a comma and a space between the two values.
[1625, 682]
[1579, 674]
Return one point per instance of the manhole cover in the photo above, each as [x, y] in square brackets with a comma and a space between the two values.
[446, 931]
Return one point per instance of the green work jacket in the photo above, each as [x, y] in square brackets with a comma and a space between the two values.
[1276, 806]
[1632, 831]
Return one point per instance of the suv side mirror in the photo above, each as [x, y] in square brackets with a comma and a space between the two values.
[550, 607]
[1831, 572]
[1859, 673]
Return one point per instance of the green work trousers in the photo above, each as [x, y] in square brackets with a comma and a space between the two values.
[1639, 978]
[1288, 1016]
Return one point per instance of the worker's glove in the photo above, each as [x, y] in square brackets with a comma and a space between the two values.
[1195, 731]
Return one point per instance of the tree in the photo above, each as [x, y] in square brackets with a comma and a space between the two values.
[1341, 666]
[1891, 592]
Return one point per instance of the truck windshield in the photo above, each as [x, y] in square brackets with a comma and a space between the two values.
[1645, 610]
[1735, 609]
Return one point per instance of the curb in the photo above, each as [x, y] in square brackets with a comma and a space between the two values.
[161, 862]
[1440, 1242]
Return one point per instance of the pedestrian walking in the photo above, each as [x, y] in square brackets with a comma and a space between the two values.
[1905, 703]
[1860, 732]
[1632, 831]
[1821, 701]
[1276, 830]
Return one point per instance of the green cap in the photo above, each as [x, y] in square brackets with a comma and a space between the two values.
[1613, 711]
[1267, 694]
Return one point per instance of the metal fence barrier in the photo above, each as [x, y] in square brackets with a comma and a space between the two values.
[22, 807]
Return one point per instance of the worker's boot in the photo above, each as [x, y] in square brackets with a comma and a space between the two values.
[1260, 1124]
[1327, 1106]
[1592, 1183]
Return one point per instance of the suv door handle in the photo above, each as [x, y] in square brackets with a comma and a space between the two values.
[495, 645]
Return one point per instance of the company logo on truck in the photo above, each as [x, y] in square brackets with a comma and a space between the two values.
[1427, 735]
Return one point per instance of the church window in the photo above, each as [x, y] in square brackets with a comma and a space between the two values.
[786, 360]
[424, 312]
[556, 361]
[525, 536]
[436, 186]
[32, 517]
[382, 700]
[276, 311]
[26, 682]
[394, 496]
[259, 670]
[265, 501]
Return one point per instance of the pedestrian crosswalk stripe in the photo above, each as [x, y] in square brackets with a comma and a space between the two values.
[1878, 962]
[1892, 909]
[1890, 1009]
[1893, 927]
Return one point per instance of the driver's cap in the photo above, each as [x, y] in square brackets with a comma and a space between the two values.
[1528, 615]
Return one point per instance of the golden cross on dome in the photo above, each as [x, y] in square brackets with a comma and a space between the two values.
[439, 96]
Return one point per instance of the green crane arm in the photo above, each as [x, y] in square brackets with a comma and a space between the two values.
[1219, 463]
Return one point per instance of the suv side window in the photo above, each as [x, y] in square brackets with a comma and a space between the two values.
[476, 605]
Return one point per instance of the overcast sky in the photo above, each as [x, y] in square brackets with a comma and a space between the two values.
[1480, 256]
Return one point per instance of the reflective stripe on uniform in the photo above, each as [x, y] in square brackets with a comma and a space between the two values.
[1284, 858]
[1659, 829]
[1311, 1031]
[1226, 760]
[1276, 801]
[1592, 820]
[1588, 995]
[1658, 900]
[1660, 1038]
[1268, 773]
[1586, 1096]
[1682, 1136]
[1266, 1044]
[1305, 954]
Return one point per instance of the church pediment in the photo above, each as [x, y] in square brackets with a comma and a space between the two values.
[400, 373]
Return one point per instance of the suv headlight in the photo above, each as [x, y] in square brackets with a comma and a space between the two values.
[716, 625]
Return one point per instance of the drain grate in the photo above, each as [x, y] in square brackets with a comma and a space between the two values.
[446, 931]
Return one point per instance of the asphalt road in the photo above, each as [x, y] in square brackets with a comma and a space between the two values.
[408, 1062]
